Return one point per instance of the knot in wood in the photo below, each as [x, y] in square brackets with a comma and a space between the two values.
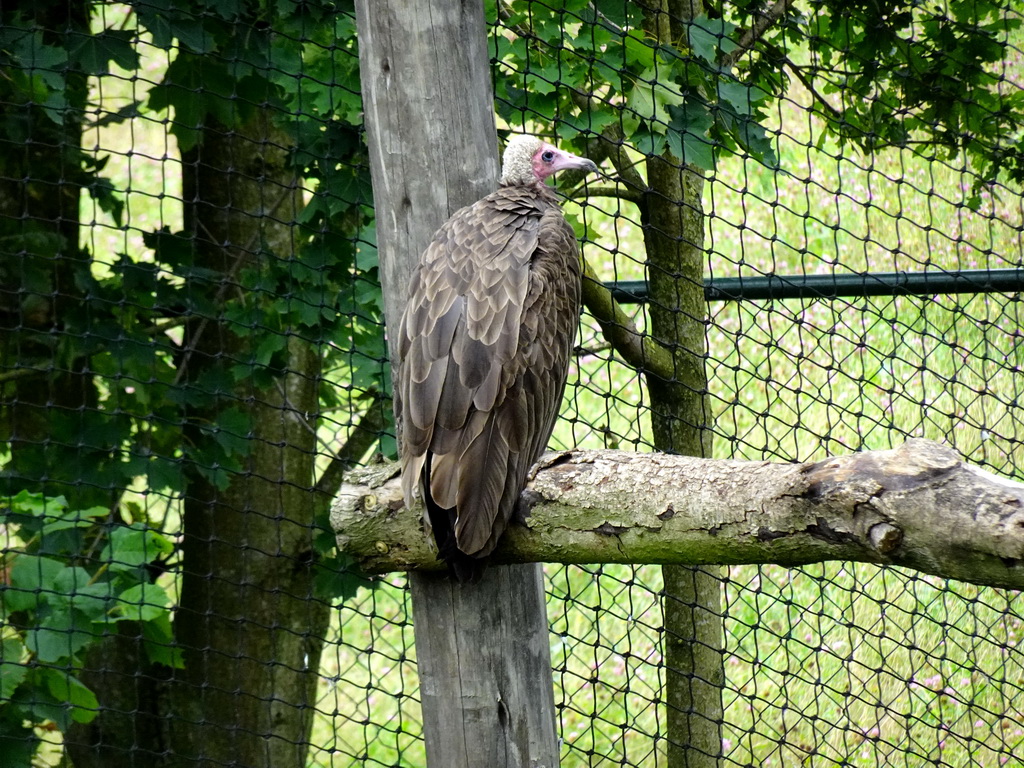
[885, 537]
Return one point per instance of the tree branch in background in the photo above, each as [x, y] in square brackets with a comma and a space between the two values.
[611, 145]
[597, 349]
[638, 350]
[22, 372]
[607, 23]
[505, 16]
[359, 443]
[762, 24]
[819, 99]
[918, 506]
[628, 195]
[635, 348]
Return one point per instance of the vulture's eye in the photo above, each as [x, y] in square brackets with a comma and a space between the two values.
[548, 156]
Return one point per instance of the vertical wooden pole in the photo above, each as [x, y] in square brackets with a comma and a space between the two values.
[483, 649]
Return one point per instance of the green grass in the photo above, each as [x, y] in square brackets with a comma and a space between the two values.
[826, 665]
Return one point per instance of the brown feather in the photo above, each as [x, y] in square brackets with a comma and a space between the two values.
[483, 356]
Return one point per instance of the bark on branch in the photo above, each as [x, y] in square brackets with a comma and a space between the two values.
[918, 506]
[765, 21]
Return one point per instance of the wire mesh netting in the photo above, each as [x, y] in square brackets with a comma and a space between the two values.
[192, 353]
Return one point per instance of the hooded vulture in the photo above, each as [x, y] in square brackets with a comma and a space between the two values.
[483, 353]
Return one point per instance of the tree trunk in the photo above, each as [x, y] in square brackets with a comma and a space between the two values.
[247, 623]
[674, 240]
[46, 378]
[692, 603]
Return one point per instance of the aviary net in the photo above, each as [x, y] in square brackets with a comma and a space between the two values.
[816, 205]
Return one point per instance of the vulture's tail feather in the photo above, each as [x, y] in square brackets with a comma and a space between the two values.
[466, 569]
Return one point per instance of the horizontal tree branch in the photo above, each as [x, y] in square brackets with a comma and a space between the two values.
[629, 195]
[23, 372]
[918, 506]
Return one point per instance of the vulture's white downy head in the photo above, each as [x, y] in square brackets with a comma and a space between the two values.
[528, 160]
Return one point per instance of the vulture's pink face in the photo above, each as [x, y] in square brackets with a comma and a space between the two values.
[548, 160]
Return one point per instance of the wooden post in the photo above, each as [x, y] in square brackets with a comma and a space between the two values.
[483, 650]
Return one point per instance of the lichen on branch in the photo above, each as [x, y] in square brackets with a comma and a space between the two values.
[919, 506]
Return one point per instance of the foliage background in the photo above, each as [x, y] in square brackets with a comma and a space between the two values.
[154, 323]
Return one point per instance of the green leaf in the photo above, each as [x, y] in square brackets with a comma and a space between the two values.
[103, 191]
[164, 475]
[268, 346]
[335, 579]
[697, 151]
[587, 123]
[167, 24]
[49, 61]
[69, 690]
[36, 702]
[709, 36]
[175, 249]
[194, 87]
[60, 636]
[651, 95]
[12, 669]
[16, 600]
[111, 116]
[742, 97]
[37, 504]
[92, 600]
[159, 642]
[755, 139]
[143, 602]
[234, 425]
[69, 580]
[35, 574]
[132, 546]
[689, 139]
[93, 53]
[641, 98]
[80, 518]
[639, 52]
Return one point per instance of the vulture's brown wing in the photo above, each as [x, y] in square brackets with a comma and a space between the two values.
[483, 352]
[535, 382]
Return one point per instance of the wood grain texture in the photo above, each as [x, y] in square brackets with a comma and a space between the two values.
[507, 712]
[919, 506]
[428, 103]
[485, 668]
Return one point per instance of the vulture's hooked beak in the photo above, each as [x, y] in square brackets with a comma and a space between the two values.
[566, 161]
